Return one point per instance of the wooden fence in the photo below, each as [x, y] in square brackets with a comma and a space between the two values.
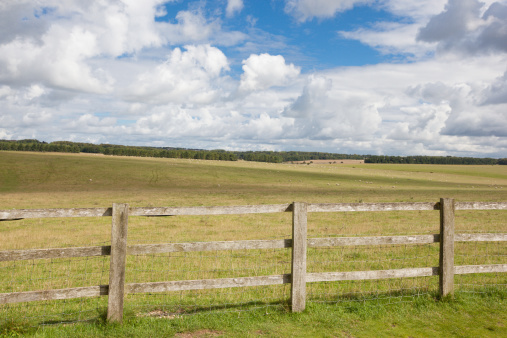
[299, 243]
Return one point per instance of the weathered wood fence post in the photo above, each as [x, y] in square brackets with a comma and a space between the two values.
[446, 261]
[298, 269]
[117, 262]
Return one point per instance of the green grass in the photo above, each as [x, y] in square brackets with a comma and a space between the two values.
[38, 180]
[468, 315]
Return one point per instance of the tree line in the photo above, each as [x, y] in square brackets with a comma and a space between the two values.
[291, 156]
[223, 155]
[434, 160]
[117, 150]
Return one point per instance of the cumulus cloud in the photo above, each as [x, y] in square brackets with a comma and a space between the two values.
[56, 43]
[496, 93]
[466, 27]
[390, 38]
[185, 77]
[398, 36]
[462, 28]
[36, 118]
[428, 120]
[323, 111]
[197, 124]
[264, 71]
[477, 122]
[313, 98]
[89, 121]
[194, 27]
[15, 23]
[59, 38]
[59, 61]
[304, 10]
[233, 7]
[416, 10]
[465, 116]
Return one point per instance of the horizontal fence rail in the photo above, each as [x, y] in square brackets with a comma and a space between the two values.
[242, 209]
[143, 249]
[299, 240]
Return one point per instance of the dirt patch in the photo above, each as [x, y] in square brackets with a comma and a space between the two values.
[329, 162]
[200, 333]
[159, 314]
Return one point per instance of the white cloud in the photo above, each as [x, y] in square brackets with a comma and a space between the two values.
[398, 36]
[59, 61]
[36, 118]
[468, 27]
[328, 111]
[194, 27]
[304, 10]
[403, 109]
[58, 43]
[92, 121]
[264, 71]
[496, 93]
[390, 38]
[233, 7]
[190, 27]
[462, 26]
[416, 10]
[185, 77]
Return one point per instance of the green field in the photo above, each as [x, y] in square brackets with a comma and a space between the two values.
[43, 180]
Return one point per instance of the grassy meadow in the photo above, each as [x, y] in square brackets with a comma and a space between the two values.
[50, 180]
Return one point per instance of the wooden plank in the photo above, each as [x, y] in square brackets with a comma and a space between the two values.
[466, 269]
[143, 249]
[49, 213]
[102, 290]
[214, 210]
[375, 274]
[117, 262]
[207, 284]
[372, 207]
[446, 257]
[16, 255]
[298, 267]
[480, 237]
[31, 296]
[481, 206]
[378, 240]
[246, 209]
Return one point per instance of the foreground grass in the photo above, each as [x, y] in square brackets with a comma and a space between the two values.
[468, 315]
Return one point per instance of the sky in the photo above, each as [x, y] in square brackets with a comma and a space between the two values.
[382, 77]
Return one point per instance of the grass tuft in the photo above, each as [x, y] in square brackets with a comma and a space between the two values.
[15, 327]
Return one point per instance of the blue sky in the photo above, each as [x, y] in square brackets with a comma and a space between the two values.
[396, 77]
[315, 44]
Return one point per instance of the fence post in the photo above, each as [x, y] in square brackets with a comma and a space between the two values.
[446, 261]
[117, 262]
[298, 269]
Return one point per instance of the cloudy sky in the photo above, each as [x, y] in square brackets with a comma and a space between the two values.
[395, 77]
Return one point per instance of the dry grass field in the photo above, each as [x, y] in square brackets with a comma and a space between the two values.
[343, 161]
[48, 180]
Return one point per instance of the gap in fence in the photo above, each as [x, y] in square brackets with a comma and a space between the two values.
[209, 264]
[377, 257]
